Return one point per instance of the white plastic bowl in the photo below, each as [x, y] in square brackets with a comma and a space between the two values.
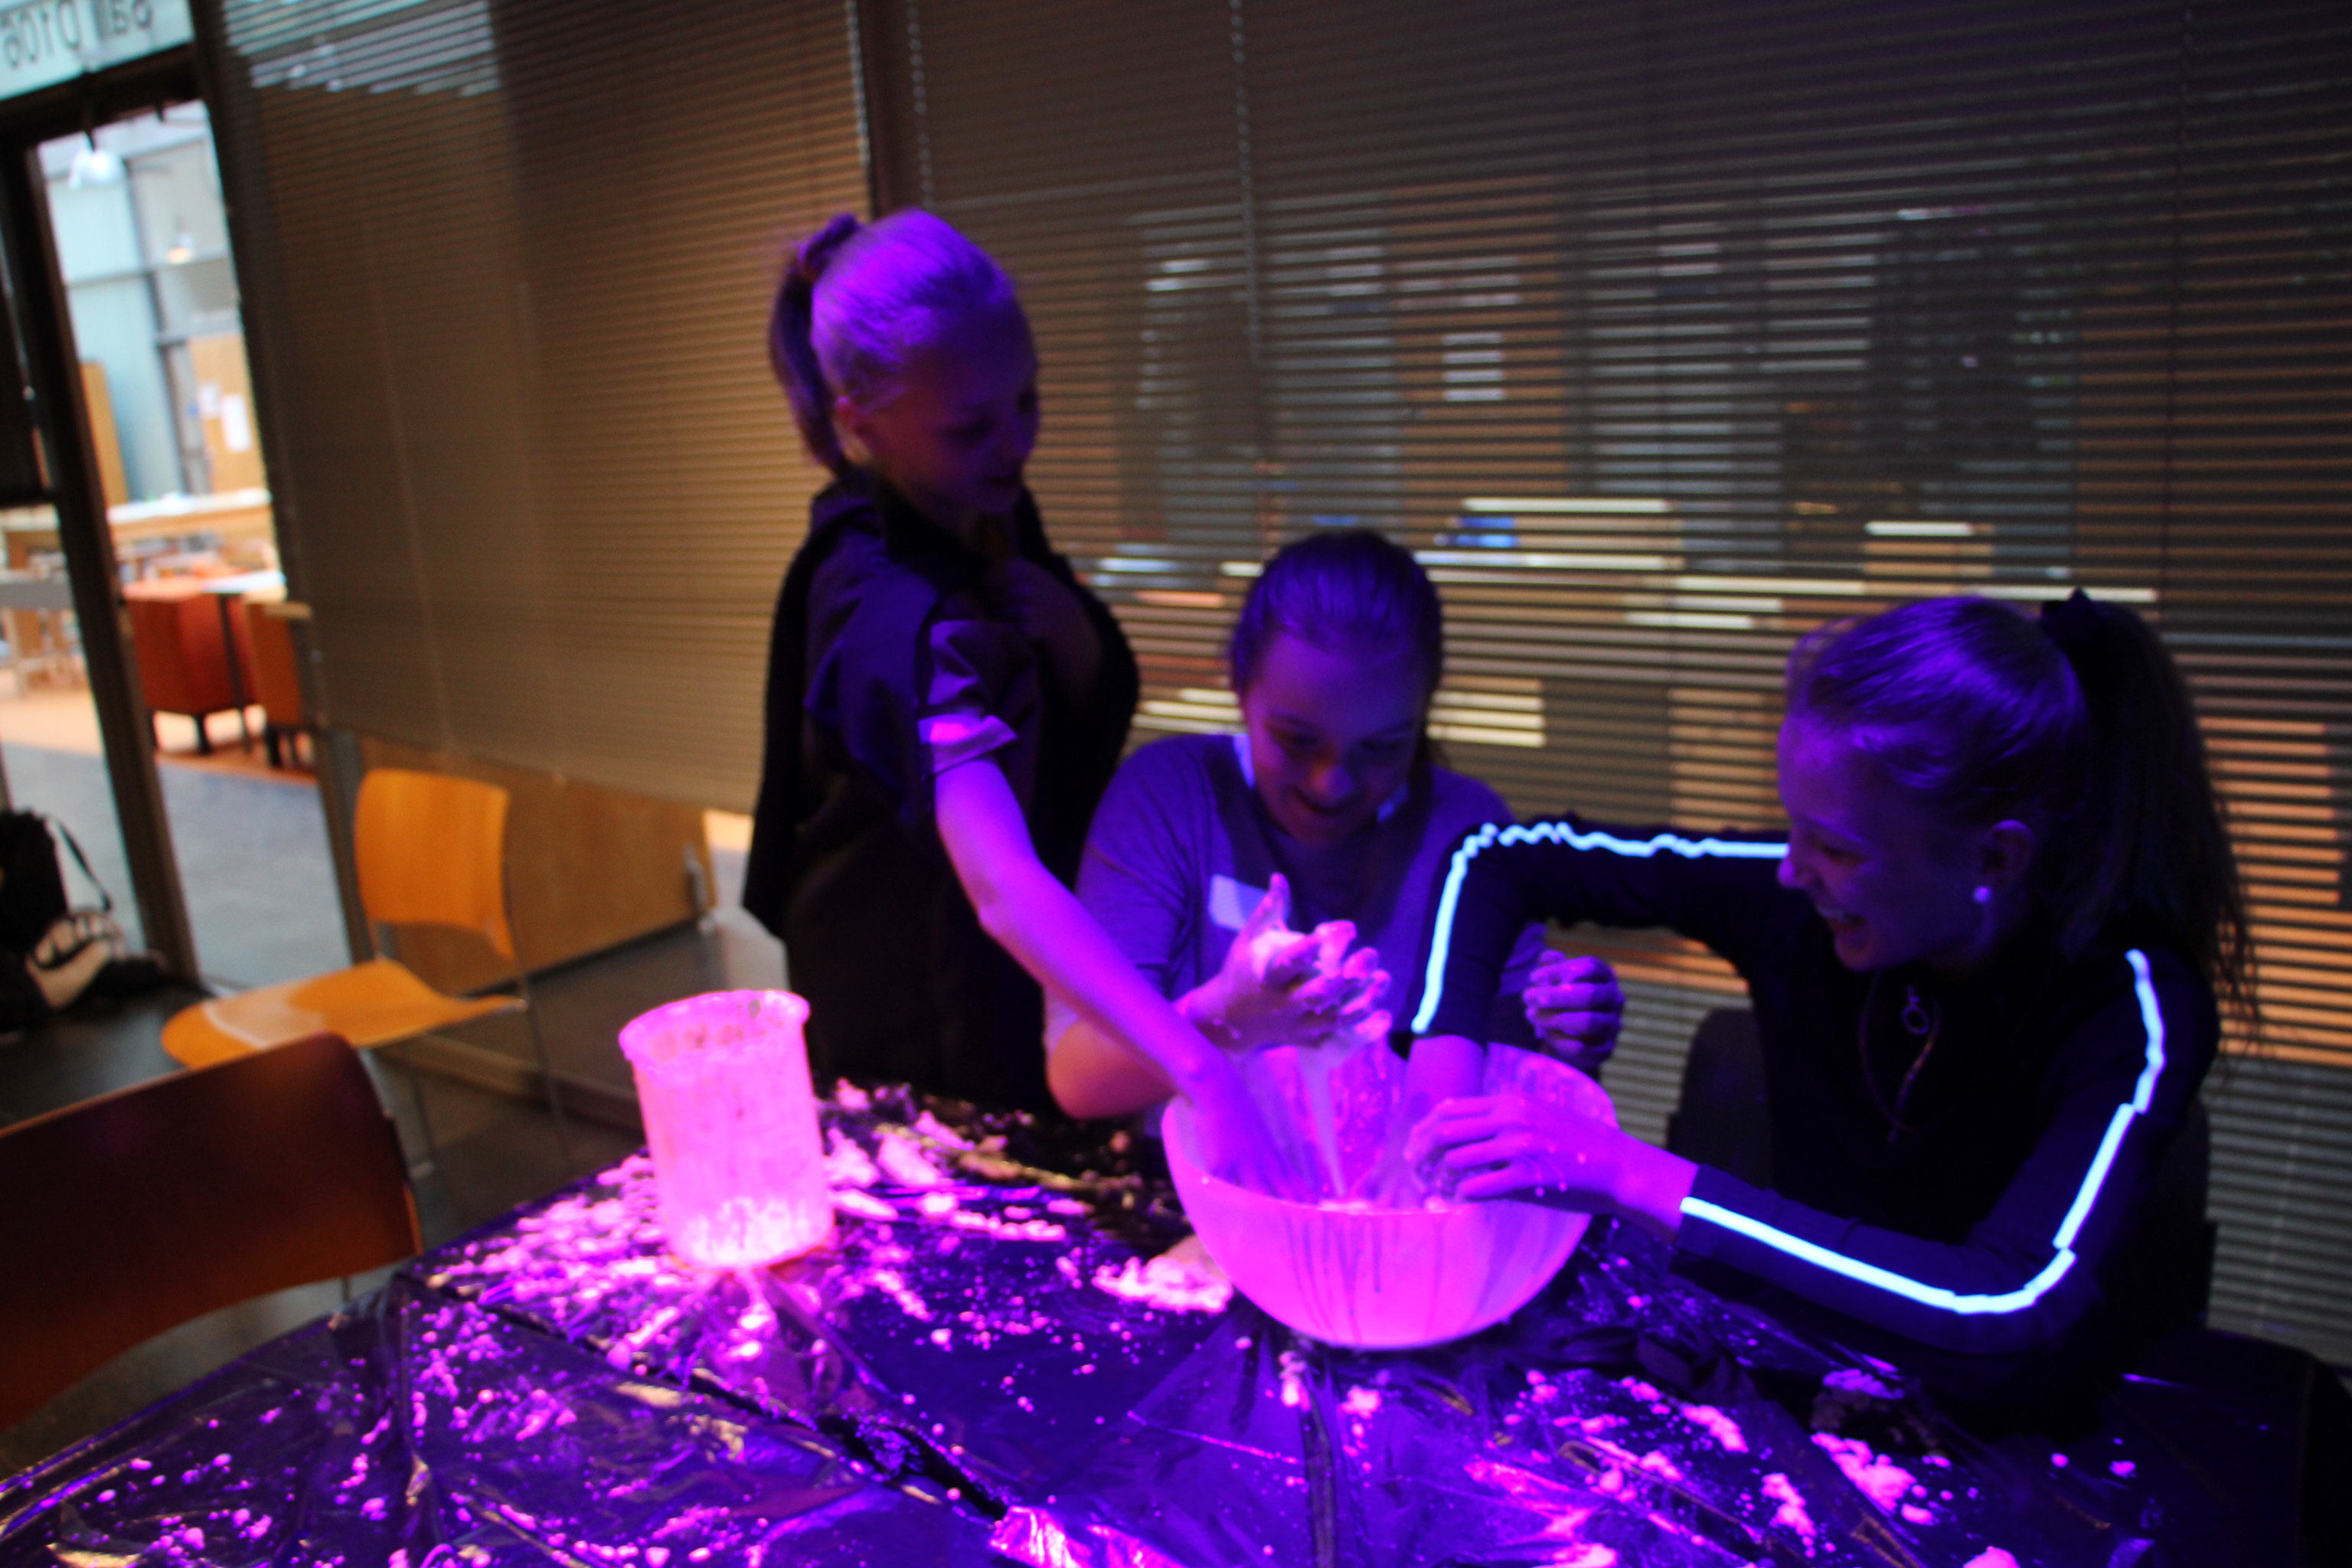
[1389, 1278]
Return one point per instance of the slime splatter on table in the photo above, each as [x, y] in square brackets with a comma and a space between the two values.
[998, 1359]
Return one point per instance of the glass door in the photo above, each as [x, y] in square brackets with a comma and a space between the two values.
[142, 249]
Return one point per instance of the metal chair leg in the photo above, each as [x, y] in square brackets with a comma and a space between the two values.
[546, 1067]
[538, 1035]
[423, 1121]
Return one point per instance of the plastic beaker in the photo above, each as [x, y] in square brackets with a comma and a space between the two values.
[723, 1085]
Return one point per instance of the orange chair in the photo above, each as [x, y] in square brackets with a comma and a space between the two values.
[431, 851]
[172, 1198]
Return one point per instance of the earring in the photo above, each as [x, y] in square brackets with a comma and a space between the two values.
[1984, 895]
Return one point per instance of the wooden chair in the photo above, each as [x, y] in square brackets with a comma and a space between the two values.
[431, 851]
[131, 1213]
[182, 643]
[273, 679]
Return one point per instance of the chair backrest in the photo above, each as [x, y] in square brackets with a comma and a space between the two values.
[272, 675]
[131, 1213]
[432, 851]
[1724, 1117]
[184, 660]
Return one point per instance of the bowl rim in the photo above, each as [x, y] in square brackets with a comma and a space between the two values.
[1178, 1148]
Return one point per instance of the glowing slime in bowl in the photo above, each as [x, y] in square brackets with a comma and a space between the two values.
[1384, 1278]
[723, 1084]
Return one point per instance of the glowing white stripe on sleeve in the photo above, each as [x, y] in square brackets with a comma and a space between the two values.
[1821, 1257]
[2085, 1197]
[1442, 939]
[2143, 1095]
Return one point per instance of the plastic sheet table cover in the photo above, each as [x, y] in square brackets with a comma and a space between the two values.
[977, 1370]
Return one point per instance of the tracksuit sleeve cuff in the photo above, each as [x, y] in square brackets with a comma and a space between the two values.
[1712, 1193]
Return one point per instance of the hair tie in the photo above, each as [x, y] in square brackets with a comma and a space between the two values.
[2073, 622]
[817, 253]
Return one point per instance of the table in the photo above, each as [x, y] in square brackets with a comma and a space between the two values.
[961, 1378]
[239, 517]
[43, 599]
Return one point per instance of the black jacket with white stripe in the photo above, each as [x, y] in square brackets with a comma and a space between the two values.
[1992, 1244]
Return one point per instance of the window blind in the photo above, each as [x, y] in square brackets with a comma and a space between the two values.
[508, 264]
[1667, 333]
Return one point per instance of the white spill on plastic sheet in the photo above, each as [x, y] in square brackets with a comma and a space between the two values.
[1181, 1280]
[1791, 1514]
[1877, 1477]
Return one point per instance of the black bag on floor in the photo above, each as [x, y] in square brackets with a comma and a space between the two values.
[32, 905]
[32, 887]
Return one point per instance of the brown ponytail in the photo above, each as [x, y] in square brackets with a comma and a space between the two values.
[792, 349]
[2150, 841]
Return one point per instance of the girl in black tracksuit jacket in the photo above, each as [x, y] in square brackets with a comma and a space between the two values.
[1983, 963]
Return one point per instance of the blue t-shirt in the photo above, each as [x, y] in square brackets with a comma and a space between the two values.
[1182, 849]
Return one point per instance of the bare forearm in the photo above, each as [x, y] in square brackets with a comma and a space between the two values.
[1651, 1185]
[1093, 1075]
[1049, 932]
[1043, 926]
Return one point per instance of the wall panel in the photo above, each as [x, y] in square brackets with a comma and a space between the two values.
[536, 481]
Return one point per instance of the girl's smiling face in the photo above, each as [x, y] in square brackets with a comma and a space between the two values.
[955, 431]
[1893, 882]
[1332, 733]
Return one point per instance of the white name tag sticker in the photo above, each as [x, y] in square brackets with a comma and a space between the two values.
[1230, 902]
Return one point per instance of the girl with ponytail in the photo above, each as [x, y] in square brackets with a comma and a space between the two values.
[945, 700]
[1984, 962]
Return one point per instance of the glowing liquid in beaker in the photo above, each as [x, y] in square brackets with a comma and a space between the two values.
[723, 1084]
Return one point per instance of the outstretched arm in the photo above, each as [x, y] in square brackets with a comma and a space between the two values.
[1041, 922]
[1712, 886]
[2023, 1277]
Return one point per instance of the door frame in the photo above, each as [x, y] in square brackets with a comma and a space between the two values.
[45, 326]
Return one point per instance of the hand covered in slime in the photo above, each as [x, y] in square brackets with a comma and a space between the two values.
[1508, 1146]
[1284, 988]
[1576, 1008]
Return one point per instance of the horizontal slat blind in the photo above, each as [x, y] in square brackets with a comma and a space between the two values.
[1667, 333]
[513, 270]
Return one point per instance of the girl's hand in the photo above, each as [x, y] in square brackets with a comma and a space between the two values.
[1363, 982]
[1284, 988]
[1506, 1145]
[1576, 1009]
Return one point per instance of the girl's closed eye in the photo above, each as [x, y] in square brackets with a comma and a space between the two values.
[1820, 844]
